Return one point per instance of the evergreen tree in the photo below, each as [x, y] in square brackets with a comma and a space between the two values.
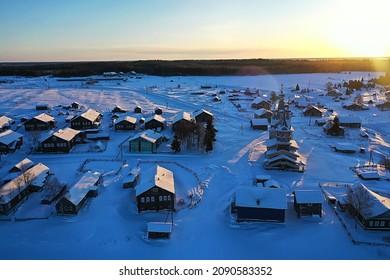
[176, 145]
[209, 136]
[297, 87]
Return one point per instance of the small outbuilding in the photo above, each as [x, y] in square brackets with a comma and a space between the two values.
[308, 202]
[259, 124]
[159, 230]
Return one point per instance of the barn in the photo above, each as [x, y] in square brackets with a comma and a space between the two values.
[73, 201]
[155, 190]
[260, 204]
[308, 202]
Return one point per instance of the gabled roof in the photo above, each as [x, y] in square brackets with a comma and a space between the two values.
[4, 121]
[12, 188]
[148, 135]
[312, 107]
[259, 122]
[155, 176]
[201, 111]
[23, 164]
[9, 136]
[83, 186]
[379, 204]
[258, 100]
[262, 111]
[90, 115]
[127, 119]
[67, 133]
[44, 118]
[155, 117]
[308, 196]
[349, 119]
[182, 116]
[261, 198]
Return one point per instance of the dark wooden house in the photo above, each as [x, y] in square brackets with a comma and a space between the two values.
[155, 190]
[74, 200]
[10, 141]
[155, 122]
[75, 105]
[87, 120]
[40, 122]
[260, 204]
[260, 103]
[376, 214]
[263, 114]
[259, 124]
[5, 123]
[125, 123]
[138, 110]
[203, 116]
[183, 123]
[313, 111]
[41, 107]
[21, 166]
[158, 111]
[350, 121]
[61, 141]
[308, 202]
[118, 109]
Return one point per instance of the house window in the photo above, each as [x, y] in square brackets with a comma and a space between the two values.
[309, 204]
[152, 199]
[370, 223]
[382, 224]
[65, 208]
[142, 199]
[1, 207]
[165, 198]
[376, 223]
[169, 197]
[160, 198]
[147, 199]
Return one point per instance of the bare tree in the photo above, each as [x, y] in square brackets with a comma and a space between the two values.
[35, 139]
[360, 200]
[27, 176]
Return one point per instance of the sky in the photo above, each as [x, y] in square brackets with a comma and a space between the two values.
[85, 30]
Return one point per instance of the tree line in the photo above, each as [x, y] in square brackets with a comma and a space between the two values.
[221, 67]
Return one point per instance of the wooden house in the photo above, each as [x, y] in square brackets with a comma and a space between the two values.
[10, 141]
[74, 200]
[87, 120]
[308, 202]
[183, 123]
[159, 230]
[61, 141]
[16, 190]
[376, 216]
[260, 204]
[155, 122]
[21, 166]
[5, 123]
[263, 114]
[158, 111]
[313, 111]
[145, 142]
[41, 107]
[130, 180]
[75, 105]
[349, 121]
[138, 110]
[40, 122]
[259, 124]
[125, 123]
[155, 190]
[260, 103]
[352, 106]
[118, 109]
[203, 116]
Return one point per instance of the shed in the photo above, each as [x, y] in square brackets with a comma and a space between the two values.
[138, 110]
[308, 202]
[130, 180]
[158, 111]
[344, 148]
[260, 204]
[159, 230]
[259, 124]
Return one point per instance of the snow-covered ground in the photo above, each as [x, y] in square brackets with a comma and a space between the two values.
[110, 227]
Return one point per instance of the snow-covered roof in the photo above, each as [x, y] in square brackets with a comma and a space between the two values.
[263, 177]
[258, 100]
[83, 186]
[127, 118]
[274, 141]
[4, 121]
[271, 184]
[308, 196]
[261, 198]
[345, 147]
[9, 136]
[182, 116]
[281, 157]
[259, 122]
[44, 118]
[379, 204]
[155, 117]
[312, 107]
[67, 133]
[91, 115]
[200, 111]
[260, 112]
[349, 119]
[155, 176]
[148, 135]
[159, 227]
[38, 174]
[23, 164]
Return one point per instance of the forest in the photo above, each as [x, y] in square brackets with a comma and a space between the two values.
[236, 67]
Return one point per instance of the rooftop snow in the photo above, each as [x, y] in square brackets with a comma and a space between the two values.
[308, 196]
[267, 198]
[44, 118]
[155, 176]
[9, 136]
[83, 186]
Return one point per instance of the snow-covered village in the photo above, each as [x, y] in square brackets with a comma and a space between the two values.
[133, 166]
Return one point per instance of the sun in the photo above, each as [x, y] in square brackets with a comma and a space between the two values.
[360, 30]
